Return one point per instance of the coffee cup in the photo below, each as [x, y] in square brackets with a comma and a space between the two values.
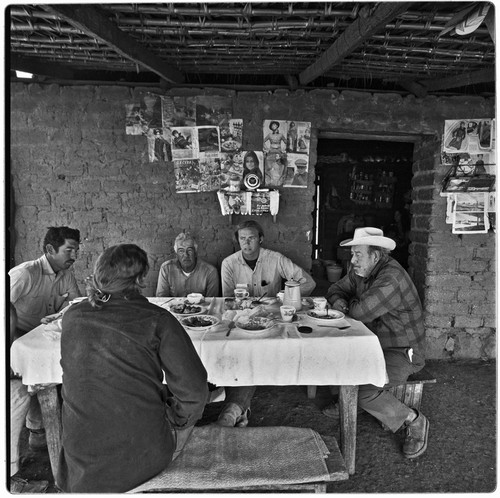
[319, 303]
[287, 313]
[194, 298]
[241, 293]
[280, 296]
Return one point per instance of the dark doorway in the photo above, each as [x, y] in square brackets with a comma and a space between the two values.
[361, 183]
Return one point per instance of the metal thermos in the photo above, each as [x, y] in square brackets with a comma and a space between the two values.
[292, 295]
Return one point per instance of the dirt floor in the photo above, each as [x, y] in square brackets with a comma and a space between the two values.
[461, 455]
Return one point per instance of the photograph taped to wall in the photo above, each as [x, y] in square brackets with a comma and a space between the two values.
[274, 133]
[253, 164]
[159, 148]
[187, 175]
[467, 135]
[231, 170]
[470, 213]
[275, 167]
[456, 184]
[184, 142]
[297, 171]
[208, 138]
[483, 183]
[232, 136]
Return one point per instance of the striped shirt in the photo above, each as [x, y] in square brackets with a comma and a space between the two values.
[387, 303]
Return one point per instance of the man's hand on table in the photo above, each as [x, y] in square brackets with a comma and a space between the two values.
[341, 305]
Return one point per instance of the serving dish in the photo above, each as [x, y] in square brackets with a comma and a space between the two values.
[326, 316]
[255, 324]
[182, 307]
[199, 322]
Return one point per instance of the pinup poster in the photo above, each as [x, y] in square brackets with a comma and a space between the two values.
[473, 136]
[275, 133]
[470, 213]
[297, 171]
[275, 167]
[253, 169]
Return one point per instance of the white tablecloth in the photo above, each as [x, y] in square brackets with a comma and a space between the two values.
[279, 356]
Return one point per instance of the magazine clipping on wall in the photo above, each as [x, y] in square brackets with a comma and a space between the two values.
[231, 176]
[468, 135]
[253, 169]
[184, 142]
[232, 136]
[178, 111]
[297, 171]
[143, 115]
[470, 213]
[213, 110]
[275, 167]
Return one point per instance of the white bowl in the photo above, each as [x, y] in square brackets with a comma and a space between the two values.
[195, 298]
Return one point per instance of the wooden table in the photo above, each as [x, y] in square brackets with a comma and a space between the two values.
[327, 356]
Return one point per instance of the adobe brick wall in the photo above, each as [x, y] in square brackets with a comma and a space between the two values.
[72, 163]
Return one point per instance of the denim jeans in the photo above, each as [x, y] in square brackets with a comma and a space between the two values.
[378, 401]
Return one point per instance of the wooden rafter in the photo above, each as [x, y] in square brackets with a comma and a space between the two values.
[360, 30]
[482, 76]
[43, 68]
[94, 23]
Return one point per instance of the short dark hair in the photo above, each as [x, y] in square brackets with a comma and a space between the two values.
[248, 224]
[56, 237]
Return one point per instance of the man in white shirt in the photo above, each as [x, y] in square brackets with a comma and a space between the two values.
[39, 288]
[263, 271]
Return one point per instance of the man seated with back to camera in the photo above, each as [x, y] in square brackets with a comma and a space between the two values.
[263, 271]
[121, 425]
[186, 273]
[378, 292]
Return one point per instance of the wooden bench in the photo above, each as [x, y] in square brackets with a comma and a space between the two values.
[409, 393]
[251, 459]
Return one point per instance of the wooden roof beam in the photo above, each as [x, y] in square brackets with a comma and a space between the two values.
[40, 67]
[367, 23]
[464, 79]
[94, 23]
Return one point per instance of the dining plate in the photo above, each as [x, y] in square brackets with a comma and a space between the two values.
[326, 316]
[254, 324]
[199, 322]
[181, 307]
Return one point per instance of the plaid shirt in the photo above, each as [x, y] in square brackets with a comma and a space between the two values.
[387, 303]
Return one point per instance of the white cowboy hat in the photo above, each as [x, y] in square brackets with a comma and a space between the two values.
[369, 236]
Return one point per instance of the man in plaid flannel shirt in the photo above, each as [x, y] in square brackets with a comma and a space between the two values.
[378, 292]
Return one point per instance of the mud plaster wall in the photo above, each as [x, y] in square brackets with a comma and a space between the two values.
[71, 163]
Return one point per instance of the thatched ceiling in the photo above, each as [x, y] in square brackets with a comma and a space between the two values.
[418, 47]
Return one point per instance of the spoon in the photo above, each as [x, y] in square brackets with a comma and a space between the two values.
[257, 301]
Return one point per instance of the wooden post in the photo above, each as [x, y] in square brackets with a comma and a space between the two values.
[348, 408]
[51, 415]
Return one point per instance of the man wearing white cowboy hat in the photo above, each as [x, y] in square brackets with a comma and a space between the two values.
[378, 292]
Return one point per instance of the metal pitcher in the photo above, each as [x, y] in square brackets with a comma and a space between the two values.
[292, 295]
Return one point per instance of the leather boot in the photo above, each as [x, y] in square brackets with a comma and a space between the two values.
[417, 432]
[233, 416]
